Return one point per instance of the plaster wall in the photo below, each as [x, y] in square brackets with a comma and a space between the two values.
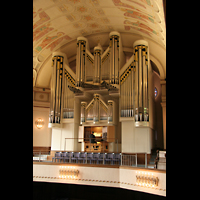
[41, 137]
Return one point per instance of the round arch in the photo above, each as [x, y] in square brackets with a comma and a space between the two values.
[159, 66]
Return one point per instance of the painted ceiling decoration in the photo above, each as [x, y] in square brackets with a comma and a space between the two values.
[59, 22]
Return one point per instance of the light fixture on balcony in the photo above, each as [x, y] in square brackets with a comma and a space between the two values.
[68, 172]
[39, 123]
[146, 179]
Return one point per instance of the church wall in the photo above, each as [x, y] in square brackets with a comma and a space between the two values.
[128, 136]
[56, 138]
[158, 113]
[143, 140]
[151, 98]
[69, 129]
[41, 137]
[59, 135]
[136, 139]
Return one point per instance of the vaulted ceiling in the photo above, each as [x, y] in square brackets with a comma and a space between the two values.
[58, 23]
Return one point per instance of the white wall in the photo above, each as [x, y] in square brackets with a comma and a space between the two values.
[143, 140]
[69, 129]
[41, 137]
[136, 139]
[128, 136]
[59, 135]
[151, 97]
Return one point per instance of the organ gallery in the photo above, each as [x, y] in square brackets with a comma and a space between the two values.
[107, 91]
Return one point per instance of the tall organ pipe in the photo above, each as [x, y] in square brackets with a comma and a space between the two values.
[96, 108]
[114, 57]
[97, 65]
[136, 82]
[110, 111]
[140, 84]
[80, 64]
[83, 113]
[141, 80]
[56, 87]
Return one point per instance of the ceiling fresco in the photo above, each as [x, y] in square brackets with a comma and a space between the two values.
[58, 22]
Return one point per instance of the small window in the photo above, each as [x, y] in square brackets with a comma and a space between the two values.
[155, 92]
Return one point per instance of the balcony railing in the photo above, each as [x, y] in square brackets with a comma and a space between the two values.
[94, 151]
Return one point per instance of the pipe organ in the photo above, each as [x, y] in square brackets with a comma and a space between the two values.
[83, 111]
[56, 89]
[127, 91]
[68, 97]
[97, 111]
[97, 65]
[134, 84]
[114, 57]
[105, 67]
[89, 71]
[104, 91]
[141, 80]
[80, 61]
[62, 99]
[102, 70]
[110, 111]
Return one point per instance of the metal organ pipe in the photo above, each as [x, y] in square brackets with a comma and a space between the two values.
[132, 89]
[80, 64]
[130, 95]
[145, 75]
[83, 113]
[57, 80]
[96, 108]
[126, 91]
[136, 82]
[110, 111]
[97, 65]
[140, 84]
[141, 80]
[114, 57]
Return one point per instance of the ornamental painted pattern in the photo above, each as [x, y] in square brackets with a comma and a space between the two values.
[43, 17]
[41, 31]
[139, 25]
[47, 40]
[57, 22]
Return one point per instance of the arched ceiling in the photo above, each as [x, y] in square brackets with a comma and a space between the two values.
[58, 23]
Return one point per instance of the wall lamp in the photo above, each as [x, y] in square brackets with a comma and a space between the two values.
[39, 123]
